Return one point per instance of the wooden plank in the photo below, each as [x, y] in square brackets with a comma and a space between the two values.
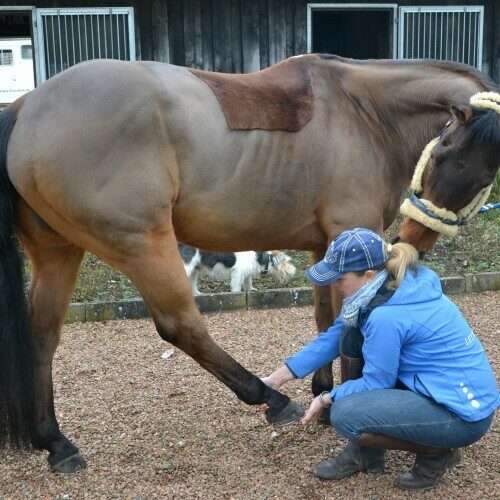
[236, 42]
[290, 28]
[159, 14]
[176, 32]
[250, 35]
[188, 31]
[207, 41]
[300, 29]
[145, 26]
[277, 31]
[222, 35]
[264, 33]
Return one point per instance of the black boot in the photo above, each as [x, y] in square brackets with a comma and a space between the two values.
[430, 463]
[350, 368]
[351, 460]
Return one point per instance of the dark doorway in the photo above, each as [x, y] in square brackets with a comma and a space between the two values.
[358, 34]
[15, 24]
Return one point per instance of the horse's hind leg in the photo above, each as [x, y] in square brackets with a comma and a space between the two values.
[55, 268]
[158, 274]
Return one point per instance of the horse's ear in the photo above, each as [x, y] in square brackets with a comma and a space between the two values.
[462, 113]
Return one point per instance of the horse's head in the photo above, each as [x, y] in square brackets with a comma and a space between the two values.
[454, 175]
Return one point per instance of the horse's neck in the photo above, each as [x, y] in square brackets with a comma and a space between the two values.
[411, 104]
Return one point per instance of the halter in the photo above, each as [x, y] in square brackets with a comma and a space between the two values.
[424, 211]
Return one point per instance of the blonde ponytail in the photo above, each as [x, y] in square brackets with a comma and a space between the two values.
[401, 256]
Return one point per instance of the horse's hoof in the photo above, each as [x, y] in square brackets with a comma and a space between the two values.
[290, 414]
[70, 465]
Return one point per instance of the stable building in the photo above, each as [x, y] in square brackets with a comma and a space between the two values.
[237, 35]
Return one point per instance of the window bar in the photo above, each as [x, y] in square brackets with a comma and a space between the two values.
[441, 38]
[105, 36]
[53, 44]
[468, 46]
[66, 36]
[434, 56]
[118, 36]
[86, 40]
[92, 36]
[111, 34]
[446, 39]
[73, 38]
[463, 39]
[453, 36]
[45, 21]
[475, 37]
[60, 41]
[125, 38]
[418, 36]
[97, 17]
[412, 35]
[424, 18]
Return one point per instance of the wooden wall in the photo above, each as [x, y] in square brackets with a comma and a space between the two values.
[244, 35]
[225, 35]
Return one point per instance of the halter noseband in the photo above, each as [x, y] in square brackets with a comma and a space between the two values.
[424, 211]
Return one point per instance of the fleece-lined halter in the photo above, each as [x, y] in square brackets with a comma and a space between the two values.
[424, 211]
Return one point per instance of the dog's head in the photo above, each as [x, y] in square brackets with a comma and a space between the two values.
[281, 267]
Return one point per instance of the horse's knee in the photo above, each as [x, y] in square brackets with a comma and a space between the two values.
[178, 330]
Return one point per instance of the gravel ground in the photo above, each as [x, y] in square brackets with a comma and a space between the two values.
[163, 428]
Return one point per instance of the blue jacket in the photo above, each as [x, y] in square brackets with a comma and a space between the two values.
[420, 337]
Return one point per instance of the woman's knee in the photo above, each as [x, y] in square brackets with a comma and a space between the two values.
[343, 417]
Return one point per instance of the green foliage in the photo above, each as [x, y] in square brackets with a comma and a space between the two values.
[475, 249]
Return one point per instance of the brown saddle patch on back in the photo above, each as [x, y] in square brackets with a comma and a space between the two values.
[276, 98]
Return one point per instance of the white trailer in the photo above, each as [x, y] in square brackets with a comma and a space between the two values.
[16, 68]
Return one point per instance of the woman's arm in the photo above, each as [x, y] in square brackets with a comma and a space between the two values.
[381, 352]
[321, 350]
[278, 378]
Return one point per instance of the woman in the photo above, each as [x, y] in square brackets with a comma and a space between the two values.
[414, 376]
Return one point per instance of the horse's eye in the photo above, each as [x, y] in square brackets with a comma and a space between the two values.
[445, 143]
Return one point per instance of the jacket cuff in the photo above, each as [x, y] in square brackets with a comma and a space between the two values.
[291, 371]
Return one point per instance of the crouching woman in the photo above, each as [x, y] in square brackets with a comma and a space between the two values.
[414, 376]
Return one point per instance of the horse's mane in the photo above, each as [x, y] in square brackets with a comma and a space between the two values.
[455, 67]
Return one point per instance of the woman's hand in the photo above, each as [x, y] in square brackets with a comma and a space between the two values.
[276, 380]
[319, 403]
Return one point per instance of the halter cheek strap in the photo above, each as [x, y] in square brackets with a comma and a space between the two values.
[424, 211]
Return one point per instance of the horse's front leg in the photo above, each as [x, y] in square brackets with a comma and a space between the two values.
[327, 302]
[156, 270]
[54, 276]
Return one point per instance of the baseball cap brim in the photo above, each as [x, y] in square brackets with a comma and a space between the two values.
[321, 274]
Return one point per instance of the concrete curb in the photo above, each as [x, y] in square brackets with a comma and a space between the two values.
[268, 299]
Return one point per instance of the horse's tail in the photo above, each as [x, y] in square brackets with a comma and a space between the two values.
[17, 387]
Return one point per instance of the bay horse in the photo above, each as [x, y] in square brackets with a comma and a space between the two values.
[125, 159]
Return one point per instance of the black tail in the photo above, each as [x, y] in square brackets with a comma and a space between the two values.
[17, 389]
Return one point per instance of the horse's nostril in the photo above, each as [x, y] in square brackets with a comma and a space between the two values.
[397, 239]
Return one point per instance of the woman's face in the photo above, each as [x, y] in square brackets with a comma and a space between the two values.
[350, 283]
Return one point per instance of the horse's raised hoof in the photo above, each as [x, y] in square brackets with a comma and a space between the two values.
[290, 414]
[70, 465]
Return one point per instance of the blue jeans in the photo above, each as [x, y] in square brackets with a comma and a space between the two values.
[404, 415]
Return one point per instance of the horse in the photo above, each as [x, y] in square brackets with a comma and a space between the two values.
[126, 159]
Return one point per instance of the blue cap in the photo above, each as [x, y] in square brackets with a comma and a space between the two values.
[357, 249]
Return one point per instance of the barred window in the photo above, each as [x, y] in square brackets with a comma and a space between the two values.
[6, 57]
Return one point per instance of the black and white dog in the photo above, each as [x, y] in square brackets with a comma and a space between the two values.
[237, 267]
